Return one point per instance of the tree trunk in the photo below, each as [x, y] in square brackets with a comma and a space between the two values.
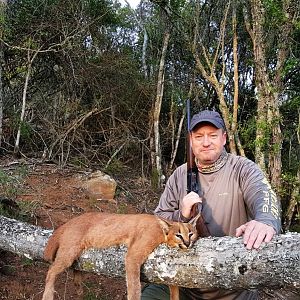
[176, 141]
[234, 124]
[269, 86]
[275, 163]
[157, 107]
[145, 43]
[2, 10]
[1, 91]
[261, 79]
[24, 98]
[285, 33]
[211, 263]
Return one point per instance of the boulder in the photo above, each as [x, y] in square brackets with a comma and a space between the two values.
[100, 186]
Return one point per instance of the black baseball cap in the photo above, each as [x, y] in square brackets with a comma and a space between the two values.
[209, 116]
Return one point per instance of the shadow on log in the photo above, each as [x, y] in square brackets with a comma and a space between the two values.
[211, 263]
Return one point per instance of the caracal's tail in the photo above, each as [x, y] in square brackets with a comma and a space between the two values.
[52, 246]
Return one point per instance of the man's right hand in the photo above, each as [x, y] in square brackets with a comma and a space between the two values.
[187, 203]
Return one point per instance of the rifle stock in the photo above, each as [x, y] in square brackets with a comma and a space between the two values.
[192, 170]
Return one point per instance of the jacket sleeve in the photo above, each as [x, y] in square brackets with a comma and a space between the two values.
[261, 200]
[170, 201]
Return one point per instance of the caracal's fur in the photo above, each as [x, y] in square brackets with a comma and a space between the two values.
[141, 233]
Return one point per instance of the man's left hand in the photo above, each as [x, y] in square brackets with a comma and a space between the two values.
[255, 233]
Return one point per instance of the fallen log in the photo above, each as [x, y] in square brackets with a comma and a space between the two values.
[211, 263]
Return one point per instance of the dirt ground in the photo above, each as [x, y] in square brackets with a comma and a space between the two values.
[50, 196]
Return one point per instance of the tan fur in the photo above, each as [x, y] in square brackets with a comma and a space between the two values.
[141, 233]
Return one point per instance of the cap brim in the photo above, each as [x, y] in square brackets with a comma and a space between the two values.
[213, 122]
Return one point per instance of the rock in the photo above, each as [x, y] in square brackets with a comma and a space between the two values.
[100, 186]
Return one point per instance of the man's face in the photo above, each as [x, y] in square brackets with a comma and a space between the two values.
[207, 143]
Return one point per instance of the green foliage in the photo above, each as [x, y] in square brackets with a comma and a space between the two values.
[11, 183]
[274, 11]
[101, 10]
[2, 16]
[264, 141]
[291, 64]
[88, 266]
[26, 130]
[69, 77]
[247, 133]
[116, 166]
[289, 182]
[177, 5]
[39, 19]
[72, 76]
[290, 125]
[295, 227]
[23, 210]
[27, 262]
[28, 210]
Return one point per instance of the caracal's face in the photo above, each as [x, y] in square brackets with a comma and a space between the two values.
[182, 235]
[207, 143]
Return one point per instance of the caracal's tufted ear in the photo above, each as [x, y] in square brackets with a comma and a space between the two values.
[194, 220]
[165, 225]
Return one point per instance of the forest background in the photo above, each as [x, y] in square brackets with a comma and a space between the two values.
[96, 83]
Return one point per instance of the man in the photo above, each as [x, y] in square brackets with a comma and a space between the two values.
[238, 200]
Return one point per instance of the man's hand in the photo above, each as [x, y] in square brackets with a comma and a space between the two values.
[255, 233]
[187, 203]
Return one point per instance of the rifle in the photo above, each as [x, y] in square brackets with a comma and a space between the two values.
[193, 182]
